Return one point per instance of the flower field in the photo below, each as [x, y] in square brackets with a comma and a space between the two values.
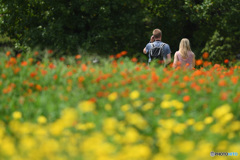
[118, 109]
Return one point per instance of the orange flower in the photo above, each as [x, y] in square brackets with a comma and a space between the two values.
[134, 59]
[84, 67]
[222, 83]
[234, 80]
[199, 62]
[93, 99]
[151, 99]
[38, 87]
[36, 53]
[18, 55]
[61, 58]
[216, 66]
[69, 73]
[123, 53]
[111, 56]
[205, 55]
[80, 79]
[51, 66]
[226, 61]
[8, 53]
[224, 96]
[24, 63]
[30, 60]
[186, 98]
[78, 56]
[118, 55]
[50, 51]
[33, 74]
[13, 60]
[55, 77]
[16, 70]
[186, 78]
[154, 77]
[206, 63]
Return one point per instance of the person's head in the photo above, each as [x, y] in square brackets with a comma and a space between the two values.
[157, 33]
[184, 46]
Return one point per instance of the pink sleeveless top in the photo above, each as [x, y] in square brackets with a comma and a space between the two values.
[185, 62]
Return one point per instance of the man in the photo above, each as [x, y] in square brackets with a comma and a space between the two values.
[156, 40]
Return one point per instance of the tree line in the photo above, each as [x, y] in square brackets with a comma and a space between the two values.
[110, 26]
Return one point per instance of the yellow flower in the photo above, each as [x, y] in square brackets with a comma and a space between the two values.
[208, 120]
[186, 146]
[27, 143]
[108, 107]
[42, 120]
[220, 111]
[82, 127]
[131, 136]
[113, 96]
[163, 156]
[134, 94]
[136, 119]
[17, 115]
[235, 126]
[216, 128]
[199, 126]
[125, 107]
[147, 106]
[137, 103]
[163, 133]
[90, 125]
[166, 97]
[69, 116]
[190, 121]
[8, 147]
[226, 118]
[87, 106]
[110, 126]
[179, 128]
[231, 135]
[177, 104]
[203, 149]
[179, 113]
[222, 146]
[165, 104]
[56, 128]
[168, 123]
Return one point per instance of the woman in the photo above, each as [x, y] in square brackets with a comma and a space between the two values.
[184, 58]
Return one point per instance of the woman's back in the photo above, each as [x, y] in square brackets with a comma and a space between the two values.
[185, 61]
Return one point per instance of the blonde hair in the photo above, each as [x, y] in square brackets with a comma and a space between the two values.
[157, 33]
[184, 47]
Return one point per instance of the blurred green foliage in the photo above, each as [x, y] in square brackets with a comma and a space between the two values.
[109, 27]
